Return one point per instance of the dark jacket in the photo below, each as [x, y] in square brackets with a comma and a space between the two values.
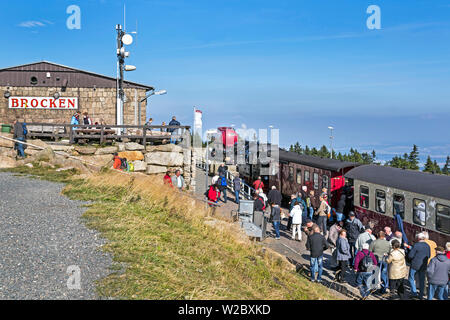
[343, 249]
[419, 255]
[222, 170]
[274, 197]
[18, 130]
[173, 123]
[341, 205]
[258, 204]
[237, 184]
[438, 270]
[354, 228]
[276, 213]
[316, 244]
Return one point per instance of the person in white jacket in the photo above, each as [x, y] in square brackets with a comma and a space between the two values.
[296, 214]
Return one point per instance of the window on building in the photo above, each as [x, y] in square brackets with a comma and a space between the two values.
[33, 80]
[325, 181]
[316, 180]
[419, 212]
[299, 176]
[399, 205]
[306, 176]
[380, 201]
[364, 196]
[291, 174]
[443, 218]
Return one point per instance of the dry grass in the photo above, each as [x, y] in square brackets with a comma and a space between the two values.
[171, 253]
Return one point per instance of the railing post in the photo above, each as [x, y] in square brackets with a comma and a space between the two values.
[144, 134]
[102, 132]
[71, 140]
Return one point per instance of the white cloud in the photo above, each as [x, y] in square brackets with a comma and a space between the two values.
[33, 24]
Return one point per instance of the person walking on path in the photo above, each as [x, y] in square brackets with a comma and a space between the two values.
[342, 256]
[363, 261]
[258, 184]
[381, 248]
[274, 196]
[222, 182]
[354, 227]
[397, 269]
[333, 235]
[222, 170]
[276, 218]
[437, 272]
[418, 256]
[296, 215]
[19, 134]
[237, 187]
[316, 244]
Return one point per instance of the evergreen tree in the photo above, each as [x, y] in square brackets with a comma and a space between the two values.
[436, 168]
[323, 152]
[446, 167]
[413, 158]
[307, 150]
[429, 165]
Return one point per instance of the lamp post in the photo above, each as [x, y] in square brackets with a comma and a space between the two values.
[152, 92]
[331, 142]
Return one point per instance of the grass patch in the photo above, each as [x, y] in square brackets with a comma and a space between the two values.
[163, 249]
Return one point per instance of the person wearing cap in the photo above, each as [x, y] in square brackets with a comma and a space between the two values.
[363, 275]
[437, 271]
[354, 227]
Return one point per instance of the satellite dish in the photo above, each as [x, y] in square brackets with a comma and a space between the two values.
[127, 39]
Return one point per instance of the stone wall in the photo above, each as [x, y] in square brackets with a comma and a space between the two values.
[152, 159]
[99, 103]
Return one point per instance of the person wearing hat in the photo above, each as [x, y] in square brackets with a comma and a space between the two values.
[437, 271]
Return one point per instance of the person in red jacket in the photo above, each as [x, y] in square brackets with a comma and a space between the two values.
[258, 184]
[167, 179]
[117, 162]
[213, 193]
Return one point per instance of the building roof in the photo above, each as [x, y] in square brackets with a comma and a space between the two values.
[434, 185]
[20, 76]
[322, 163]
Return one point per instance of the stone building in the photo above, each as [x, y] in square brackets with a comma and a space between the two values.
[29, 91]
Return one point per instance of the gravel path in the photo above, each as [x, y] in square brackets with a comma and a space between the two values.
[41, 236]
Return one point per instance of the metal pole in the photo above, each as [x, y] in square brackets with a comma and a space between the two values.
[331, 144]
[207, 165]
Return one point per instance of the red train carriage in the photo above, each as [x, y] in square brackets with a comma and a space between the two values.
[421, 199]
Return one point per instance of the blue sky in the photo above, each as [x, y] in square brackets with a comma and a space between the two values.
[297, 65]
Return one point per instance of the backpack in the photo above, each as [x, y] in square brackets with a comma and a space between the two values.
[365, 262]
[25, 130]
[130, 166]
[352, 231]
[223, 181]
[263, 202]
[124, 164]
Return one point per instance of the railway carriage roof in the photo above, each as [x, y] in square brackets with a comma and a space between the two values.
[322, 163]
[413, 181]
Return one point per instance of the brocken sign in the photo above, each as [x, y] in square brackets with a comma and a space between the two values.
[63, 103]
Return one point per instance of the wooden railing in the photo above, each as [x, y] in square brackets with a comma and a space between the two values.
[103, 133]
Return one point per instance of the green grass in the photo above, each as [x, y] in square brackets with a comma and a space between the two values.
[162, 249]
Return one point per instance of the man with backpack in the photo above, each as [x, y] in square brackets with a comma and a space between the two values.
[364, 260]
[354, 227]
[20, 133]
[222, 182]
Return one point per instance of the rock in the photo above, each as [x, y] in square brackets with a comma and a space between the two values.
[64, 169]
[59, 147]
[6, 143]
[37, 143]
[133, 146]
[131, 155]
[99, 160]
[139, 166]
[31, 152]
[121, 147]
[169, 159]
[106, 150]
[46, 165]
[73, 164]
[165, 148]
[43, 155]
[156, 169]
[29, 165]
[85, 150]
[7, 162]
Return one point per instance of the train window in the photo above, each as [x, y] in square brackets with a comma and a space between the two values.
[325, 181]
[299, 176]
[291, 174]
[364, 197]
[316, 180]
[380, 203]
[399, 205]
[443, 218]
[419, 212]
[306, 176]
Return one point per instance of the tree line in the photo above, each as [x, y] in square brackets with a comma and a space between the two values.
[406, 161]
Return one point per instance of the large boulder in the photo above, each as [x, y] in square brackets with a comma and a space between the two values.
[133, 146]
[97, 160]
[30, 151]
[7, 162]
[168, 159]
[6, 143]
[72, 163]
[140, 166]
[40, 145]
[61, 147]
[156, 169]
[106, 150]
[165, 148]
[131, 155]
[43, 155]
[85, 150]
